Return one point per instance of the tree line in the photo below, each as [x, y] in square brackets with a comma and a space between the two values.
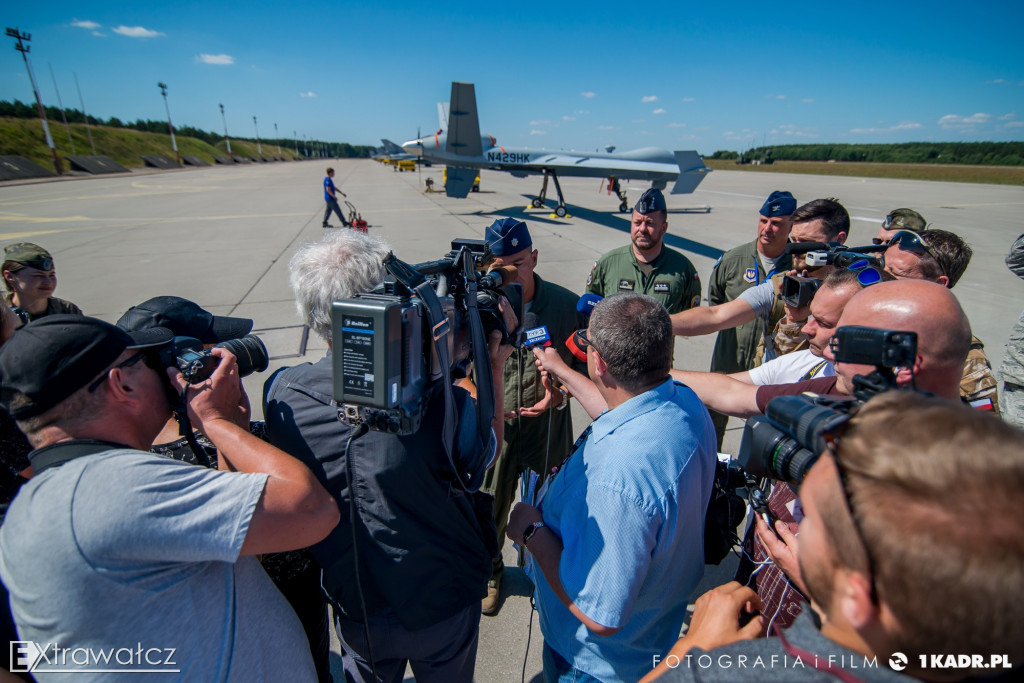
[968, 153]
[20, 110]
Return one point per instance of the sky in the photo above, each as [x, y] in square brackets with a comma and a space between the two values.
[555, 75]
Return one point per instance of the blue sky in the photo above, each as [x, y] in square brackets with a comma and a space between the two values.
[565, 75]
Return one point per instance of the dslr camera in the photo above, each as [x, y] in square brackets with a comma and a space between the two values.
[425, 322]
[197, 364]
[784, 442]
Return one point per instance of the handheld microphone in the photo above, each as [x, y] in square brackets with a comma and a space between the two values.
[537, 336]
[586, 304]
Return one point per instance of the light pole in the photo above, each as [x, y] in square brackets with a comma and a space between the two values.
[295, 136]
[278, 142]
[170, 126]
[63, 114]
[23, 38]
[259, 148]
[84, 115]
[227, 141]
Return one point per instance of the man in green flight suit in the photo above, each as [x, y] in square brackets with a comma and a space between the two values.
[647, 266]
[739, 269]
[538, 424]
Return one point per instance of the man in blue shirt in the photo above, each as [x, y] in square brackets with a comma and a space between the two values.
[617, 541]
[331, 197]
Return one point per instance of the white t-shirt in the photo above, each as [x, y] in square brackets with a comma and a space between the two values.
[791, 367]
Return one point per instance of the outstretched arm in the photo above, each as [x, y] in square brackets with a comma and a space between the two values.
[707, 319]
[721, 392]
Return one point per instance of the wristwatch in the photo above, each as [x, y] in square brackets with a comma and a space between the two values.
[565, 399]
[530, 530]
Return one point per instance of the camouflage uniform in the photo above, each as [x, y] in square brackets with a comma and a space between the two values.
[54, 305]
[671, 278]
[1012, 372]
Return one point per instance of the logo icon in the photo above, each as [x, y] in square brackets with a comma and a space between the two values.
[24, 656]
[898, 661]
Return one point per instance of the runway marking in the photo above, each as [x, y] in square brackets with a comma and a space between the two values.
[23, 235]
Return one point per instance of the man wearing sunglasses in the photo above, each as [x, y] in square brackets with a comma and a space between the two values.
[110, 546]
[942, 256]
[616, 539]
[897, 580]
[900, 219]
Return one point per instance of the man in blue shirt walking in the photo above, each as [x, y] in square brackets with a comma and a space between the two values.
[617, 538]
[331, 197]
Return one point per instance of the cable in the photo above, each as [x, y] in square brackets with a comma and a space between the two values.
[353, 516]
[529, 634]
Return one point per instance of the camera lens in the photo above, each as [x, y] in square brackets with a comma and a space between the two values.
[250, 353]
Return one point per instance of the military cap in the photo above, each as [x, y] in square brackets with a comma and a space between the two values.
[507, 236]
[650, 201]
[28, 254]
[779, 203]
[905, 219]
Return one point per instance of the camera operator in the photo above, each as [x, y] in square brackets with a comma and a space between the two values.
[109, 545]
[295, 573]
[616, 540]
[408, 565]
[820, 220]
[910, 549]
[941, 256]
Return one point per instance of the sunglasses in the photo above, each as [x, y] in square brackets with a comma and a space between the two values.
[912, 242]
[127, 363]
[582, 341]
[867, 273]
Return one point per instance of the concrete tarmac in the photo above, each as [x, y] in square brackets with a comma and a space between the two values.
[222, 237]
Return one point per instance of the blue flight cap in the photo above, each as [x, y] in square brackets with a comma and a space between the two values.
[652, 200]
[507, 236]
[779, 203]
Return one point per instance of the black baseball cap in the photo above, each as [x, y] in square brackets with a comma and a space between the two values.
[51, 358]
[185, 319]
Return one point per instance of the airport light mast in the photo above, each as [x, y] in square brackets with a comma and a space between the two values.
[278, 141]
[24, 49]
[227, 141]
[170, 126]
[84, 115]
[295, 136]
[259, 148]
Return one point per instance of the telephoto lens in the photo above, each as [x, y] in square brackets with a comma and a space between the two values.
[250, 352]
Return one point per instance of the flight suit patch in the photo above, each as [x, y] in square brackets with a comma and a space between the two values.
[626, 285]
[750, 275]
[661, 287]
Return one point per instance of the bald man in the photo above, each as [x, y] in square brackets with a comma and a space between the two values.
[942, 256]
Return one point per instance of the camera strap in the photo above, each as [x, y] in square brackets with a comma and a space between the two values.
[57, 454]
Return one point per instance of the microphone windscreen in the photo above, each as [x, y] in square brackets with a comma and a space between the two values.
[577, 352]
[586, 303]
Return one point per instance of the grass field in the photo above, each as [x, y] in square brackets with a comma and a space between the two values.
[24, 138]
[999, 175]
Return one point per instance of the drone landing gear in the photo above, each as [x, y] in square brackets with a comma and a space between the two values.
[538, 201]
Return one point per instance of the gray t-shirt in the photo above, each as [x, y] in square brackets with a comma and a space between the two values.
[133, 555]
[761, 298]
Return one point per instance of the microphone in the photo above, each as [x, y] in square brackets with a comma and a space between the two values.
[585, 305]
[534, 334]
[578, 353]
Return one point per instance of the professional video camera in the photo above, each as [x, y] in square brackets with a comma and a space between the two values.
[785, 442]
[384, 369]
[197, 364]
[835, 254]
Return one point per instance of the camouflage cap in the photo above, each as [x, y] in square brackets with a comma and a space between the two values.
[28, 254]
[905, 219]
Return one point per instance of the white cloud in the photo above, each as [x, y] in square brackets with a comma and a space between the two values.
[308, 93]
[780, 97]
[793, 131]
[540, 123]
[658, 111]
[137, 32]
[905, 125]
[689, 99]
[1008, 117]
[568, 118]
[807, 100]
[994, 82]
[204, 58]
[588, 94]
[538, 132]
[649, 98]
[582, 112]
[92, 25]
[675, 125]
[1014, 124]
[954, 122]
[607, 128]
[638, 121]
